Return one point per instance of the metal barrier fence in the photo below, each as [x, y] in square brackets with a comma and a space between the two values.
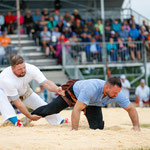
[99, 53]
[6, 54]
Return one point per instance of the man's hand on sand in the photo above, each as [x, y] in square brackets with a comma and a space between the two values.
[136, 128]
[35, 117]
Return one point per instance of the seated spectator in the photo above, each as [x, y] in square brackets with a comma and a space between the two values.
[123, 53]
[2, 22]
[108, 29]
[113, 35]
[52, 46]
[77, 28]
[61, 18]
[93, 52]
[76, 15]
[100, 26]
[36, 20]
[143, 33]
[45, 13]
[9, 21]
[134, 33]
[42, 23]
[90, 26]
[67, 17]
[28, 21]
[45, 39]
[51, 23]
[60, 26]
[123, 33]
[37, 16]
[144, 24]
[56, 33]
[142, 94]
[67, 32]
[74, 38]
[131, 21]
[126, 26]
[2, 54]
[97, 35]
[56, 15]
[116, 26]
[111, 50]
[85, 38]
[5, 41]
[21, 20]
[86, 30]
[132, 48]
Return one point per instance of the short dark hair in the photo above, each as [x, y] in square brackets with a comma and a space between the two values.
[16, 60]
[114, 81]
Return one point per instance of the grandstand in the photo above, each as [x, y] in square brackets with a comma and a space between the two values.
[74, 55]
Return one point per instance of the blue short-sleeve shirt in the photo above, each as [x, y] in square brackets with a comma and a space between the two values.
[90, 92]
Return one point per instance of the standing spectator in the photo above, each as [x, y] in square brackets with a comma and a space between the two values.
[100, 26]
[112, 50]
[116, 26]
[76, 15]
[28, 20]
[131, 21]
[2, 22]
[51, 23]
[9, 21]
[125, 86]
[144, 24]
[45, 39]
[45, 13]
[142, 94]
[62, 40]
[123, 33]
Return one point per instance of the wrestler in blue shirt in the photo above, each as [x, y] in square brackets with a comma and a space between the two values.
[90, 95]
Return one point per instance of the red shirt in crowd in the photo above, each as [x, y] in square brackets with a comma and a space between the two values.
[9, 19]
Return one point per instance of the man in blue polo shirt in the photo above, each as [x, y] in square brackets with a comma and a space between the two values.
[90, 95]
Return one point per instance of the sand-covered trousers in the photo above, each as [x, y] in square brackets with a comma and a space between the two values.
[33, 101]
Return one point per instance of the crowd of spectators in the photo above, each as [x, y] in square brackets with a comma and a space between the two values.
[51, 30]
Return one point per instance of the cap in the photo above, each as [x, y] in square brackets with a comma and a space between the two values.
[112, 32]
[122, 76]
[74, 34]
[89, 20]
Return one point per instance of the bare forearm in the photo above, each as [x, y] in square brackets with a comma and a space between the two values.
[75, 117]
[22, 108]
[50, 86]
[134, 117]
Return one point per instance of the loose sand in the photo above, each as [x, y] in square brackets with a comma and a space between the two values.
[116, 135]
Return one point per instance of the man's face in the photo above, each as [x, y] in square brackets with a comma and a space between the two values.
[19, 70]
[111, 91]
